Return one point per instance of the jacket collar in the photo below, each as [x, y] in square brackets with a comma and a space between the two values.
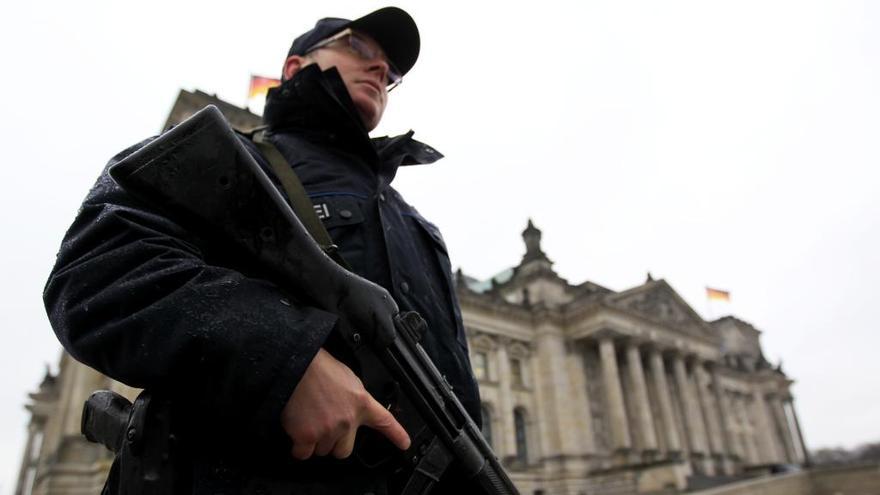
[316, 105]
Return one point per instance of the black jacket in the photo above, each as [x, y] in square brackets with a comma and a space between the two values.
[152, 303]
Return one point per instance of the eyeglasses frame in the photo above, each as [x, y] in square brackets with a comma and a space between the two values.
[349, 32]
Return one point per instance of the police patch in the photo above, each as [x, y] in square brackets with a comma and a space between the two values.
[322, 210]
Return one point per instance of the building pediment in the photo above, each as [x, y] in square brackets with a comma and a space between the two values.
[658, 301]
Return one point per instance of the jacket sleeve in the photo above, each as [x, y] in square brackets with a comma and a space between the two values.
[132, 295]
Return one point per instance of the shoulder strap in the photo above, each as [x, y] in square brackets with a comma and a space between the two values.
[299, 200]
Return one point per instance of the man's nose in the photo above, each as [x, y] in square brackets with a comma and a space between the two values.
[380, 65]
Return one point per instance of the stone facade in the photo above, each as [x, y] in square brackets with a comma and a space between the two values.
[620, 382]
[585, 390]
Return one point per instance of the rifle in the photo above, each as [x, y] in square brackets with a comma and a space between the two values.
[201, 174]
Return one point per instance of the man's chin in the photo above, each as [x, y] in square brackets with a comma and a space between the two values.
[370, 115]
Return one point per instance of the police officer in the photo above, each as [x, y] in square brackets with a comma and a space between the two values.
[150, 302]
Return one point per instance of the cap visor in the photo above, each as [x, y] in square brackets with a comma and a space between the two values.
[396, 33]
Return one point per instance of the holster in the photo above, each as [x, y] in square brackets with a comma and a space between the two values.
[148, 454]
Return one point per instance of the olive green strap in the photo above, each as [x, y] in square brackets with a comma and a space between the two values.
[298, 197]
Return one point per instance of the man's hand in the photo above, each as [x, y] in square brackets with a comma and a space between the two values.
[327, 407]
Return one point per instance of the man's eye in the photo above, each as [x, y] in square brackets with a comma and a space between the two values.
[362, 49]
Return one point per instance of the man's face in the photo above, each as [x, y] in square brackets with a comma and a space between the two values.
[365, 79]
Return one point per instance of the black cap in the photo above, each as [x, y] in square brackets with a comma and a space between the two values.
[391, 27]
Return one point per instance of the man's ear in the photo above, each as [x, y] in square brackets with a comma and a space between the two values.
[292, 65]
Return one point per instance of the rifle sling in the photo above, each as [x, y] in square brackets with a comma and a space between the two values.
[299, 199]
[438, 458]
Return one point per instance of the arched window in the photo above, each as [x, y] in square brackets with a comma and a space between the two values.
[516, 372]
[480, 364]
[487, 423]
[519, 424]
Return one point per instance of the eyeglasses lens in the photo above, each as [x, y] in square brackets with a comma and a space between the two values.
[368, 52]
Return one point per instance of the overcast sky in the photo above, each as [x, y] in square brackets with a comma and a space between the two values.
[723, 144]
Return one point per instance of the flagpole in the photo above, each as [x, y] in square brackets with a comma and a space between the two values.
[709, 308]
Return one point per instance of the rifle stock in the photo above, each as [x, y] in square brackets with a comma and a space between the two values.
[199, 172]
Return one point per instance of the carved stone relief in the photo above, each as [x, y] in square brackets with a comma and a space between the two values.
[661, 306]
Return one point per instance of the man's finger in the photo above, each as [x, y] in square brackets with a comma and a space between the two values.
[378, 418]
[324, 447]
[345, 445]
[302, 451]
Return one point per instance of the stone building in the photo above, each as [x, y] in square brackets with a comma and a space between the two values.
[585, 390]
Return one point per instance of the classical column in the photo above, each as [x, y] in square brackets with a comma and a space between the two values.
[748, 431]
[658, 372]
[640, 397]
[581, 398]
[555, 387]
[120, 388]
[725, 413]
[783, 427]
[614, 395]
[25, 478]
[710, 410]
[797, 425]
[506, 439]
[696, 431]
[737, 428]
[66, 417]
[83, 381]
[766, 436]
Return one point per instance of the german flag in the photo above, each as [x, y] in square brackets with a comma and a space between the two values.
[257, 93]
[717, 294]
[260, 85]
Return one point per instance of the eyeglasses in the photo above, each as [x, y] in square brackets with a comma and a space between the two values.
[361, 47]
